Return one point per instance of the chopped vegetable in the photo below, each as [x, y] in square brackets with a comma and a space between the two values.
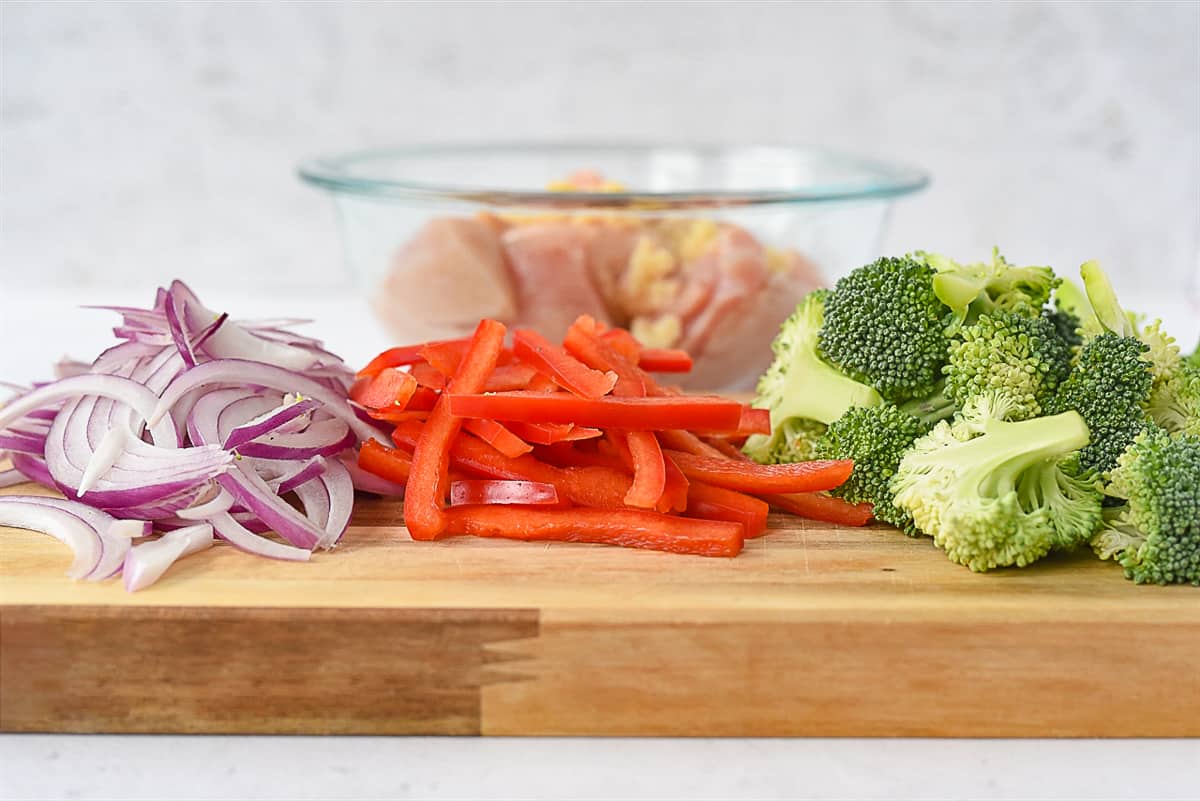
[633, 413]
[758, 478]
[498, 437]
[627, 527]
[491, 491]
[567, 371]
[819, 506]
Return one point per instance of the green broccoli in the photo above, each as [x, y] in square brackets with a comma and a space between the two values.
[973, 289]
[876, 439]
[1161, 350]
[1155, 535]
[1021, 357]
[803, 392]
[1066, 325]
[1175, 403]
[1112, 380]
[1194, 359]
[992, 492]
[884, 327]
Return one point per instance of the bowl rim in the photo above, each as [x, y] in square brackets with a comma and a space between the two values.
[888, 180]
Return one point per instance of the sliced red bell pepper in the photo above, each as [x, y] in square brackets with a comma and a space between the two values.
[542, 383]
[427, 376]
[549, 433]
[633, 414]
[398, 415]
[491, 491]
[567, 454]
[675, 493]
[649, 470]
[584, 344]
[599, 486]
[445, 356]
[422, 400]
[570, 373]
[626, 527]
[763, 478]
[658, 360]
[498, 437]
[390, 388]
[624, 343]
[818, 506]
[688, 442]
[390, 463]
[718, 503]
[425, 492]
[754, 421]
[511, 376]
[398, 357]
[726, 448]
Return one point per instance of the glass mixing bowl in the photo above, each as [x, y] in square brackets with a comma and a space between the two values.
[707, 248]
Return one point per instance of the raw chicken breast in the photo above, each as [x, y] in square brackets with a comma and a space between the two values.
[550, 275]
[451, 274]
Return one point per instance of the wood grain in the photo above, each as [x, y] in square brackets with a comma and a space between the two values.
[814, 630]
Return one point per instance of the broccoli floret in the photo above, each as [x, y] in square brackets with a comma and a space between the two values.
[973, 289]
[1021, 357]
[1155, 535]
[802, 391]
[1161, 349]
[1066, 325]
[1175, 403]
[992, 492]
[1194, 359]
[876, 439]
[884, 327]
[1109, 386]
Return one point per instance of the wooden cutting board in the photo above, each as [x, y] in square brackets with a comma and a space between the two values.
[813, 630]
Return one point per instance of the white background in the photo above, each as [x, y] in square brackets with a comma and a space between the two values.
[140, 142]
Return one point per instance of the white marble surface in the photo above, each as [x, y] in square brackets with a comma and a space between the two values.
[365, 768]
[153, 139]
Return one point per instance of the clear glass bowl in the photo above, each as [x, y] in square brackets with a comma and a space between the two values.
[707, 248]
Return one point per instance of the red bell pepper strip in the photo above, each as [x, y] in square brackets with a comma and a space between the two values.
[511, 376]
[626, 527]
[649, 470]
[599, 486]
[549, 433]
[570, 373]
[718, 503]
[398, 357]
[754, 421]
[427, 376]
[398, 415]
[542, 383]
[818, 506]
[498, 437]
[445, 356]
[688, 442]
[478, 491]
[390, 463]
[726, 448]
[675, 493]
[422, 400]
[624, 343]
[584, 344]
[566, 454]
[664, 361]
[763, 478]
[390, 388]
[426, 489]
[632, 414]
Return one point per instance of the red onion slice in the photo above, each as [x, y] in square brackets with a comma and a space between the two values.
[11, 477]
[131, 393]
[145, 563]
[115, 535]
[221, 502]
[269, 422]
[369, 482]
[241, 538]
[18, 511]
[306, 472]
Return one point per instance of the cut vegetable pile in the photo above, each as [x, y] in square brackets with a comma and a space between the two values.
[577, 442]
[195, 425]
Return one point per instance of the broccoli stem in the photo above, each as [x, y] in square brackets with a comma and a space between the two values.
[1104, 301]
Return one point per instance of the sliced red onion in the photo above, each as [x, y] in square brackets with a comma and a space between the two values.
[19, 511]
[176, 309]
[33, 469]
[269, 422]
[239, 537]
[103, 458]
[323, 438]
[11, 477]
[115, 535]
[306, 472]
[22, 442]
[146, 563]
[252, 492]
[221, 502]
[124, 390]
